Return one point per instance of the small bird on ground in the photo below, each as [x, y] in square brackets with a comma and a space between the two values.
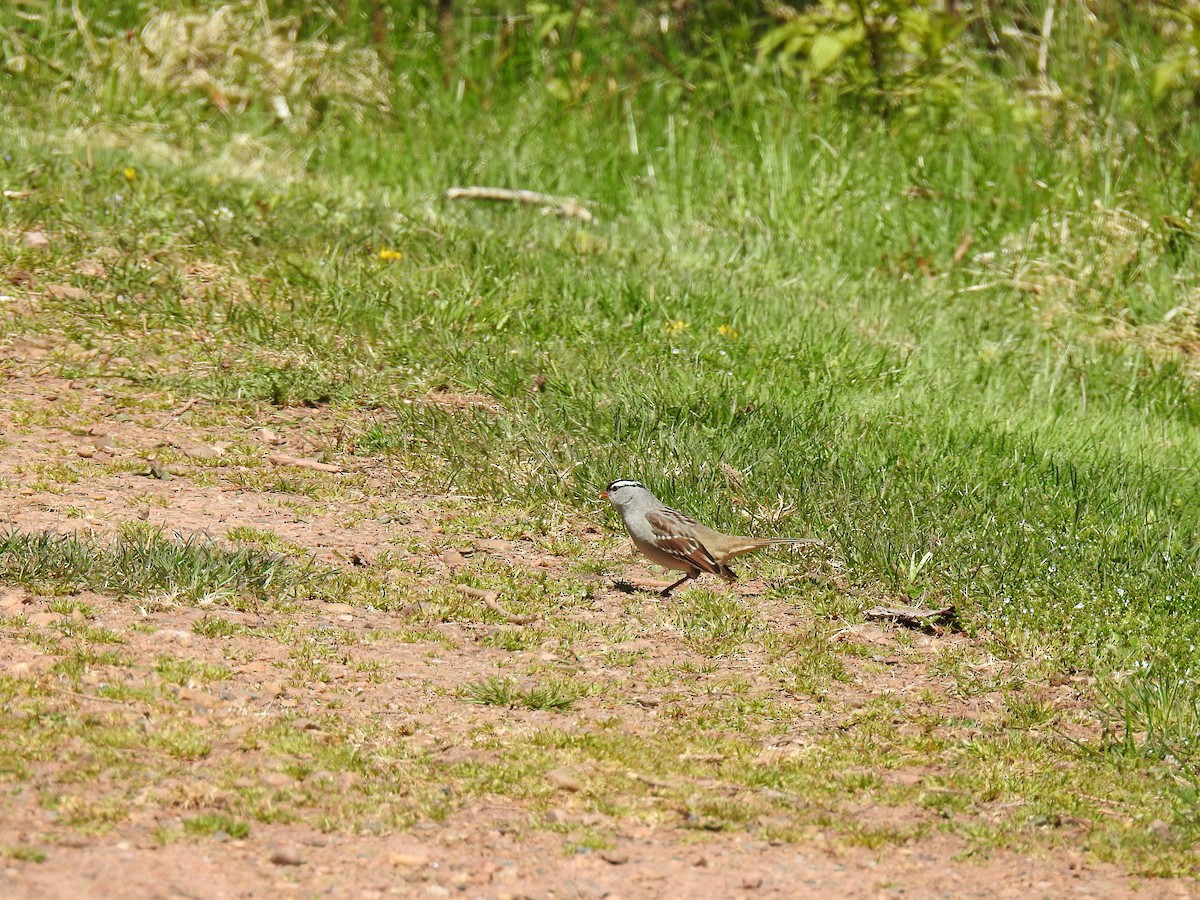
[675, 540]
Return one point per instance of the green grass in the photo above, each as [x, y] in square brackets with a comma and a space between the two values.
[211, 823]
[141, 561]
[505, 692]
[770, 323]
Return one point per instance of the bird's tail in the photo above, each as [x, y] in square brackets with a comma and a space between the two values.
[750, 544]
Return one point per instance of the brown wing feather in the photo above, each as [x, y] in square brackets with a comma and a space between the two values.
[685, 548]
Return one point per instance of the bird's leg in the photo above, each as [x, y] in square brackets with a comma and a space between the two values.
[666, 592]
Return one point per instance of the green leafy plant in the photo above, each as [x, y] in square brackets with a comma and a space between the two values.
[879, 44]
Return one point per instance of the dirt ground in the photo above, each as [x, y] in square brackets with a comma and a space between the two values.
[74, 458]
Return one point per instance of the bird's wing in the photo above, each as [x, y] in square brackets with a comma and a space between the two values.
[668, 538]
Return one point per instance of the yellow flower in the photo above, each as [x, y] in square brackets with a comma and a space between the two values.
[727, 331]
[390, 255]
[677, 326]
[130, 174]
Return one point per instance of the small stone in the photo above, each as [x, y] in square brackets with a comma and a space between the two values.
[92, 268]
[1161, 830]
[286, 856]
[274, 689]
[564, 780]
[35, 240]
[614, 857]
[558, 817]
[752, 881]
[12, 600]
[85, 452]
[163, 635]
[201, 451]
[66, 292]
[452, 558]
[267, 436]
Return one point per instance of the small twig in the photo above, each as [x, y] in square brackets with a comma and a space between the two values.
[911, 616]
[564, 206]
[97, 697]
[1043, 60]
[179, 412]
[282, 459]
[491, 601]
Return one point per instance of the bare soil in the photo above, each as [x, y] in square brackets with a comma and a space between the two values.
[76, 458]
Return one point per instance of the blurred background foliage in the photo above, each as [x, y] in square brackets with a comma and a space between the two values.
[303, 59]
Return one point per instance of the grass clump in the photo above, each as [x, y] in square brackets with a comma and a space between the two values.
[209, 824]
[144, 560]
[494, 691]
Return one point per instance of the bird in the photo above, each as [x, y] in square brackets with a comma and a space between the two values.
[674, 540]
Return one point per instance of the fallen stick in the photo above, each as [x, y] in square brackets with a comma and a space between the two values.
[490, 600]
[177, 413]
[562, 205]
[282, 459]
[912, 616]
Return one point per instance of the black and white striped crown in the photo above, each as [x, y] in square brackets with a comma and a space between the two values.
[624, 483]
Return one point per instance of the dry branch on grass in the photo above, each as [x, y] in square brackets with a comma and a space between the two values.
[563, 206]
[282, 459]
[491, 601]
[912, 616]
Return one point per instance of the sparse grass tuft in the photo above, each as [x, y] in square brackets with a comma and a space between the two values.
[556, 696]
[145, 561]
[208, 824]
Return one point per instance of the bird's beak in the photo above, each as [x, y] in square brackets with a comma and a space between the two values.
[604, 495]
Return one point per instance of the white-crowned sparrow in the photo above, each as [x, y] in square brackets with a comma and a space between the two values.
[675, 540]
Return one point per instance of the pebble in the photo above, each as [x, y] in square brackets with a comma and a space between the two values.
[12, 600]
[286, 856]
[1161, 830]
[614, 857]
[564, 780]
[201, 451]
[452, 558]
[163, 635]
[752, 882]
[91, 268]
